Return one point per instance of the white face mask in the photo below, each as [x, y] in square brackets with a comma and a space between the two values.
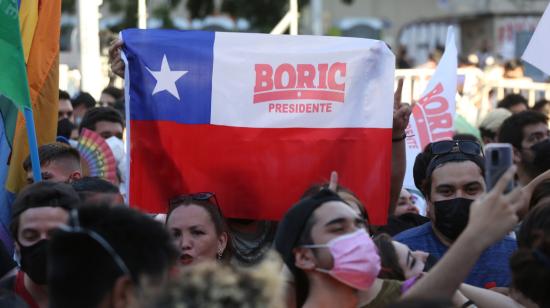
[117, 147]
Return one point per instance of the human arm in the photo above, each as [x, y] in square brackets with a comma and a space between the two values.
[486, 298]
[115, 60]
[401, 114]
[447, 275]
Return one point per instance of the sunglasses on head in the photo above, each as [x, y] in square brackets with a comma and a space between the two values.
[75, 228]
[453, 146]
[201, 196]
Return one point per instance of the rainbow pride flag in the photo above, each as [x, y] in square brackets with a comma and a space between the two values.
[14, 92]
[40, 22]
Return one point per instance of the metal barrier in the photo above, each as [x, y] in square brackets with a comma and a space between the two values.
[478, 92]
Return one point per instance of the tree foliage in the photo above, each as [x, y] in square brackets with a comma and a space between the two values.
[263, 15]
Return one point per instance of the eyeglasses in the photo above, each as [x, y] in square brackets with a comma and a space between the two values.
[452, 146]
[201, 196]
[75, 228]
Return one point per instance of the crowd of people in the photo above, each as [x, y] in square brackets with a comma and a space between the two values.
[76, 244]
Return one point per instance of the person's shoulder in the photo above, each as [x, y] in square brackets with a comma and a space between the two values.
[414, 233]
[507, 243]
[389, 293]
[391, 285]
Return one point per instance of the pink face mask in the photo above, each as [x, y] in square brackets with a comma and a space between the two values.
[356, 260]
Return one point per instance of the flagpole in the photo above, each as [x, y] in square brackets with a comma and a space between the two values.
[33, 146]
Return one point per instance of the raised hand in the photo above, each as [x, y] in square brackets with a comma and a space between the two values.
[333, 183]
[117, 65]
[401, 113]
[494, 214]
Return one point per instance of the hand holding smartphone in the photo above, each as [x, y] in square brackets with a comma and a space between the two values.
[498, 158]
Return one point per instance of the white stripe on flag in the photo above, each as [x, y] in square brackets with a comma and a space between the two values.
[265, 81]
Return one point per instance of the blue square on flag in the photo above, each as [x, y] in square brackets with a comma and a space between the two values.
[170, 82]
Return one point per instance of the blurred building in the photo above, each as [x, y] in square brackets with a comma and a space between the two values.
[499, 27]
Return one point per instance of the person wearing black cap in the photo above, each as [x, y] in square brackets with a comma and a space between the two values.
[451, 179]
[38, 209]
[324, 244]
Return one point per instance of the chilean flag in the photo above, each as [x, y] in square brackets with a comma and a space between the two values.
[256, 118]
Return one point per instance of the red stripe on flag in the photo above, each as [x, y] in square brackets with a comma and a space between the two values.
[323, 95]
[256, 173]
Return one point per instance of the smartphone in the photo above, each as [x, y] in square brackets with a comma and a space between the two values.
[498, 158]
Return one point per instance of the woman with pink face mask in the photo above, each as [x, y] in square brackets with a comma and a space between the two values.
[198, 228]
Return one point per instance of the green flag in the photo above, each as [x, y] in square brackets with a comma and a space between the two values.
[14, 90]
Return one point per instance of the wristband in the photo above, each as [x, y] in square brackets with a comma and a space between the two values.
[398, 139]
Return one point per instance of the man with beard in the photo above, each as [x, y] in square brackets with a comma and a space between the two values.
[453, 180]
[527, 132]
[38, 209]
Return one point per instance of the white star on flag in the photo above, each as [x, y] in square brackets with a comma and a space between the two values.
[166, 78]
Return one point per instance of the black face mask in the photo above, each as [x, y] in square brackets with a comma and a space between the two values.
[451, 216]
[33, 261]
[541, 161]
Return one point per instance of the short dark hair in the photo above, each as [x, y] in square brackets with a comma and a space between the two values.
[388, 258]
[93, 184]
[315, 188]
[512, 64]
[530, 273]
[82, 272]
[52, 152]
[540, 104]
[42, 194]
[486, 133]
[511, 130]
[511, 100]
[64, 95]
[97, 114]
[65, 128]
[115, 92]
[84, 98]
